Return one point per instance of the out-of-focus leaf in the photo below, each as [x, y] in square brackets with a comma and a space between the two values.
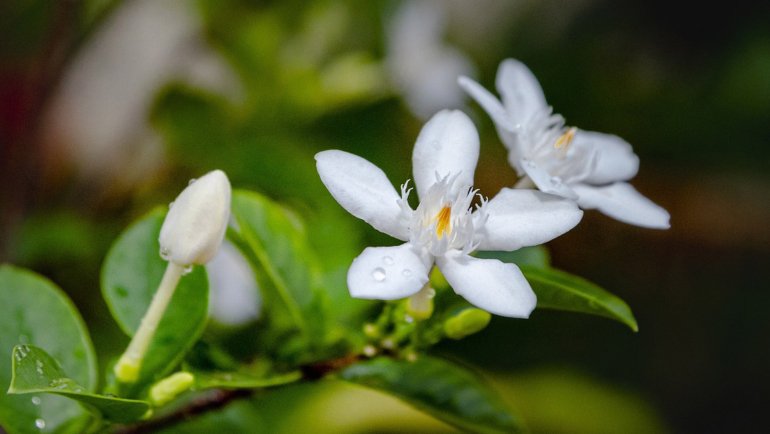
[35, 311]
[442, 389]
[274, 240]
[241, 380]
[131, 275]
[563, 291]
[35, 371]
[556, 400]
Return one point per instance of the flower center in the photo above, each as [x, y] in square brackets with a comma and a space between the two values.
[444, 219]
[443, 224]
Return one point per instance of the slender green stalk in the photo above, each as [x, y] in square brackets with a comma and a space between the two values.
[129, 364]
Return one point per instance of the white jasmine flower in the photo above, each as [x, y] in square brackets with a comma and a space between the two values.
[588, 167]
[444, 229]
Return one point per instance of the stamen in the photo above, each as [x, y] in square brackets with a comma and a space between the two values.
[443, 225]
[563, 142]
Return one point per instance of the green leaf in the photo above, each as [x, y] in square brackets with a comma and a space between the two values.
[445, 390]
[563, 291]
[274, 241]
[242, 380]
[130, 276]
[536, 256]
[35, 371]
[35, 311]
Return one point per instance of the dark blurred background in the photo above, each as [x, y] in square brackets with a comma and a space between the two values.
[107, 107]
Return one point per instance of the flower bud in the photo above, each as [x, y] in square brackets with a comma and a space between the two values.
[170, 387]
[420, 305]
[466, 322]
[196, 221]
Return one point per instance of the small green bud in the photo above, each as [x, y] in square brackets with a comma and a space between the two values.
[466, 322]
[420, 305]
[437, 280]
[371, 331]
[170, 387]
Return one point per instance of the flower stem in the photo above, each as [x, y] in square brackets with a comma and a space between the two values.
[524, 182]
[129, 364]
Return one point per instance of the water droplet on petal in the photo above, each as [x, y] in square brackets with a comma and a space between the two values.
[556, 180]
[165, 253]
[378, 274]
[435, 144]
[406, 272]
[387, 260]
[192, 181]
[36, 400]
[40, 423]
[170, 205]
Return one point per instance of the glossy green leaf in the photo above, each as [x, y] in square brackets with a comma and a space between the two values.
[563, 291]
[242, 380]
[273, 239]
[35, 311]
[130, 276]
[35, 371]
[445, 390]
[536, 256]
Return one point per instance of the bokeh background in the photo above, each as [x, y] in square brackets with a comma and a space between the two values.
[108, 107]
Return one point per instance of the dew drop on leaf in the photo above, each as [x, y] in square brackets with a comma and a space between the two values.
[36, 400]
[40, 423]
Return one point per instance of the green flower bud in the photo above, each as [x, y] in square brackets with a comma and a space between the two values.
[420, 305]
[165, 390]
[466, 322]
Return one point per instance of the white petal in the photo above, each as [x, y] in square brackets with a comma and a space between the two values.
[487, 101]
[622, 202]
[235, 297]
[545, 182]
[388, 273]
[615, 158]
[507, 130]
[197, 220]
[363, 190]
[519, 89]
[520, 218]
[448, 144]
[492, 285]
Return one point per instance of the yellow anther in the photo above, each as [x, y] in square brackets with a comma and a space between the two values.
[563, 142]
[444, 225]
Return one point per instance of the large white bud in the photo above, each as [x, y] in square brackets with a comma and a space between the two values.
[196, 221]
